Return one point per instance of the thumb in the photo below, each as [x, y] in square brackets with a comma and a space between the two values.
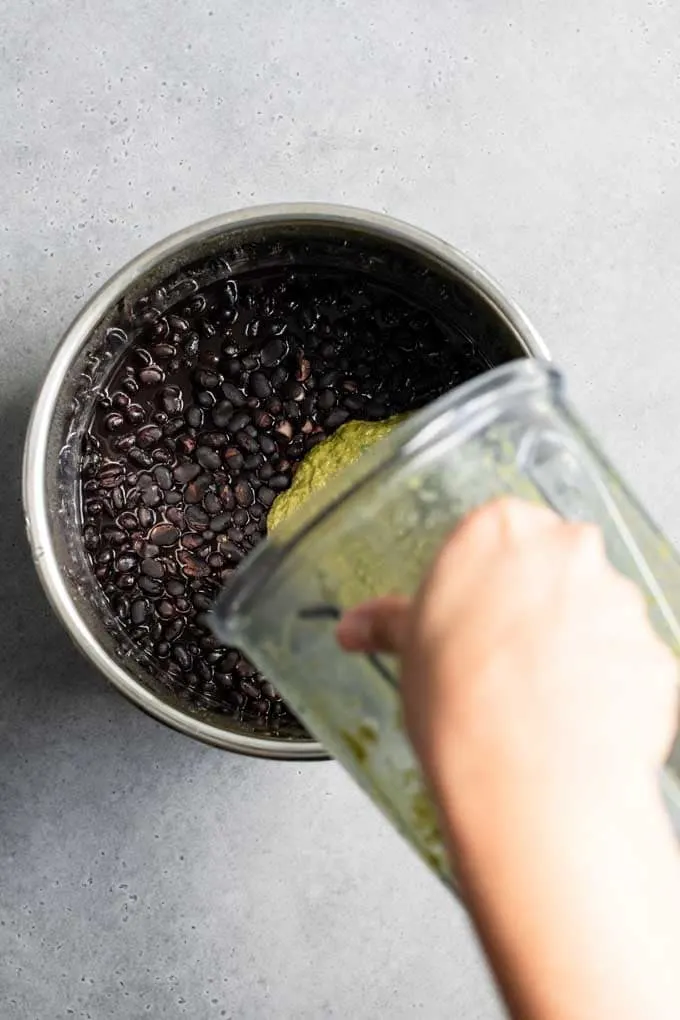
[380, 625]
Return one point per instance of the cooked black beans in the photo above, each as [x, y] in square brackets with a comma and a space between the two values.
[204, 423]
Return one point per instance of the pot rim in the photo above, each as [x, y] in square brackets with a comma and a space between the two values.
[36, 513]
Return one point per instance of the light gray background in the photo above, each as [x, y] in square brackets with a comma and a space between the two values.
[142, 874]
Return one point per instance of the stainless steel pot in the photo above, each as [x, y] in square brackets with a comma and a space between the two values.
[79, 368]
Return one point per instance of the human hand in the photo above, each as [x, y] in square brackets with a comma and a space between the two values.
[525, 658]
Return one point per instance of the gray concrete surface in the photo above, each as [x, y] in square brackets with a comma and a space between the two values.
[142, 874]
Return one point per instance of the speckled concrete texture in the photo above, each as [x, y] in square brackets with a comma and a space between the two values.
[142, 874]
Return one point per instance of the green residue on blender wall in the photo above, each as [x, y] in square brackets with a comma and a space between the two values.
[338, 451]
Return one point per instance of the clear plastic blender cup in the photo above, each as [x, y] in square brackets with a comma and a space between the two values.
[375, 528]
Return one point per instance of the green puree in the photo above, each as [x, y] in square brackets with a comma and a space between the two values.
[324, 461]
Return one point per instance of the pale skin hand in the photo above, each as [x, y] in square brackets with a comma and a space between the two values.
[543, 706]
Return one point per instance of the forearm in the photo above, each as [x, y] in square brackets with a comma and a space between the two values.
[576, 897]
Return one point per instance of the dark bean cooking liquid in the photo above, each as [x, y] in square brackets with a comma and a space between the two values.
[205, 421]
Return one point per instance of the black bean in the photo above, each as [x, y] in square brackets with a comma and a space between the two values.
[114, 535]
[192, 541]
[186, 472]
[293, 390]
[128, 522]
[223, 679]
[231, 552]
[153, 568]
[194, 417]
[296, 447]
[192, 565]
[267, 445]
[152, 496]
[151, 376]
[353, 403]
[260, 385]
[257, 511]
[118, 497]
[219, 523]
[233, 394]
[146, 517]
[244, 493]
[148, 435]
[244, 668]
[206, 399]
[293, 411]
[173, 427]
[239, 421]
[240, 517]
[196, 490]
[161, 455]
[336, 418]
[163, 477]
[326, 400]
[213, 439]
[250, 689]
[207, 458]
[140, 457]
[221, 414]
[273, 352]
[111, 475]
[212, 503]
[164, 351]
[202, 602]
[174, 628]
[164, 534]
[207, 380]
[246, 442]
[175, 516]
[174, 587]
[266, 495]
[126, 582]
[233, 458]
[181, 657]
[165, 609]
[196, 518]
[263, 420]
[253, 462]
[279, 482]
[114, 422]
[313, 440]
[139, 611]
[330, 378]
